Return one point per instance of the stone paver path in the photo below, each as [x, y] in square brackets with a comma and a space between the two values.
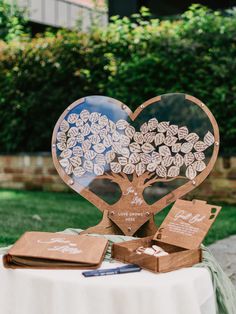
[225, 253]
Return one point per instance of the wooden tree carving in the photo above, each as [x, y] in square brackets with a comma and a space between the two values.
[90, 146]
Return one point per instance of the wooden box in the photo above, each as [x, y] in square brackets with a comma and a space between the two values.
[180, 234]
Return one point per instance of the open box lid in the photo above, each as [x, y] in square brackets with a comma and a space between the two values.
[187, 223]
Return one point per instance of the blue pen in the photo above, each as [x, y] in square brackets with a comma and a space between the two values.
[112, 271]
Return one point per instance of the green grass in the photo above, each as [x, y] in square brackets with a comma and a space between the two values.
[59, 211]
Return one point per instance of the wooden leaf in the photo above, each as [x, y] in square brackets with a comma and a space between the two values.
[173, 171]
[147, 148]
[61, 136]
[73, 132]
[94, 116]
[98, 170]
[107, 141]
[71, 142]
[121, 124]
[86, 130]
[79, 123]
[135, 147]
[134, 158]
[164, 150]
[88, 165]
[112, 126]
[100, 159]
[79, 171]
[72, 118]
[130, 131]
[80, 138]
[116, 147]
[103, 121]
[170, 140]
[64, 162]
[172, 130]
[192, 138]
[186, 147]
[199, 165]
[163, 126]
[145, 158]
[178, 160]
[110, 156]
[152, 166]
[84, 115]
[199, 156]
[68, 169]
[90, 155]
[61, 146]
[95, 129]
[176, 147]
[209, 139]
[66, 153]
[140, 169]
[138, 137]
[116, 136]
[182, 132]
[152, 124]
[125, 140]
[64, 126]
[115, 167]
[144, 128]
[75, 161]
[167, 161]
[122, 160]
[77, 151]
[190, 172]
[103, 133]
[107, 128]
[125, 152]
[188, 159]
[161, 171]
[99, 148]
[86, 145]
[159, 139]
[94, 139]
[156, 157]
[129, 169]
[200, 146]
[149, 137]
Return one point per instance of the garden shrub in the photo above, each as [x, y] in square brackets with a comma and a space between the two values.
[13, 21]
[131, 60]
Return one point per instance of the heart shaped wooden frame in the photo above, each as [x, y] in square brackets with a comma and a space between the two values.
[113, 222]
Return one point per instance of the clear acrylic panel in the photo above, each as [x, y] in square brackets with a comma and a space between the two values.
[113, 153]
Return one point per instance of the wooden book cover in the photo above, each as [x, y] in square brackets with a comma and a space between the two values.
[55, 250]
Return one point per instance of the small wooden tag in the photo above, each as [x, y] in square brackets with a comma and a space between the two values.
[187, 223]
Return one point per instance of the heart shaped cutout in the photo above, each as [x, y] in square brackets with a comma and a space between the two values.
[135, 164]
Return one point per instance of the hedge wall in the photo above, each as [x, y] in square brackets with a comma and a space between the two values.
[130, 61]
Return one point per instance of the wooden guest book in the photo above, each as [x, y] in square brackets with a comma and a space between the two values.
[180, 235]
[55, 250]
[131, 165]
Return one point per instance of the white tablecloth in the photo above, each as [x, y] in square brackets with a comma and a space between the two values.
[186, 291]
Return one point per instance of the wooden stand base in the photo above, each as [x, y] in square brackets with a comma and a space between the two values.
[106, 226]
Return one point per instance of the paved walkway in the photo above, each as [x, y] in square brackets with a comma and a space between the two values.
[225, 253]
